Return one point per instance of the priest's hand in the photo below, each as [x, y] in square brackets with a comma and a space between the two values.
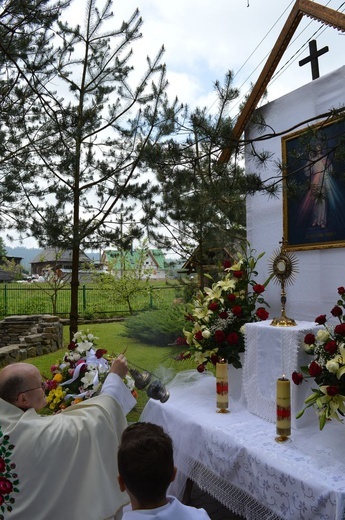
[119, 366]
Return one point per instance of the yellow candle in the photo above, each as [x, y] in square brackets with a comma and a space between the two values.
[283, 407]
[222, 385]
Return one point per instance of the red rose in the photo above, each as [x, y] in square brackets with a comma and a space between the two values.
[2, 465]
[340, 329]
[258, 288]
[213, 306]
[336, 311]
[309, 339]
[223, 315]
[214, 359]
[201, 368]
[181, 340]
[262, 314]
[314, 369]
[100, 352]
[332, 390]
[226, 264]
[198, 335]
[331, 347]
[5, 486]
[321, 320]
[236, 310]
[341, 290]
[72, 346]
[231, 297]
[219, 336]
[297, 377]
[232, 338]
[238, 274]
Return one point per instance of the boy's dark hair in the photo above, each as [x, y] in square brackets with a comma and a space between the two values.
[145, 461]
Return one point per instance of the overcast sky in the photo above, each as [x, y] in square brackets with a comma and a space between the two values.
[203, 39]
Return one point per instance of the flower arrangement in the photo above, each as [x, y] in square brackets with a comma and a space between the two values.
[80, 374]
[219, 313]
[8, 478]
[328, 365]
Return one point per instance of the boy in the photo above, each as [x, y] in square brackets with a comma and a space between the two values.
[146, 468]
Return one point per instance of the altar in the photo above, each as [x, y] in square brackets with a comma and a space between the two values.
[235, 456]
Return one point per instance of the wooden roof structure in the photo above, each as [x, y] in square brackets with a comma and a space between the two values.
[301, 8]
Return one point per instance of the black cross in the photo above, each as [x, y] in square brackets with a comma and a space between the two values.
[313, 58]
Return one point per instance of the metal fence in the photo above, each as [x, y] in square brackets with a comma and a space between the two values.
[93, 301]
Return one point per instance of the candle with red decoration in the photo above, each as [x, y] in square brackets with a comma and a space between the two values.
[283, 408]
[222, 386]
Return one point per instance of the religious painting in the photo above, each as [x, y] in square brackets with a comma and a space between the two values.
[314, 186]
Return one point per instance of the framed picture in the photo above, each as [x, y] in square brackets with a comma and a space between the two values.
[314, 187]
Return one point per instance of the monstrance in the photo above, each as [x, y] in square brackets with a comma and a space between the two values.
[283, 267]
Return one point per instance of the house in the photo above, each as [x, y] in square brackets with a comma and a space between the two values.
[53, 258]
[8, 274]
[153, 262]
[211, 260]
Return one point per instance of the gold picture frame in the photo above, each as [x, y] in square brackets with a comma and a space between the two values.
[314, 186]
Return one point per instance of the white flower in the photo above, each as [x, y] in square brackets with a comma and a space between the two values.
[206, 333]
[88, 378]
[84, 346]
[129, 382]
[309, 349]
[322, 335]
[332, 366]
[76, 356]
[226, 285]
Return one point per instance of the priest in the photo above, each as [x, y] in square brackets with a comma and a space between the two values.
[62, 466]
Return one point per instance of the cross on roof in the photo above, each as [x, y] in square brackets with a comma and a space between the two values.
[313, 58]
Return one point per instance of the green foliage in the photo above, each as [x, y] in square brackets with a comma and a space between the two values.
[157, 327]
[125, 281]
[3, 251]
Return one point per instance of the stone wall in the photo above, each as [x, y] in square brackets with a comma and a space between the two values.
[23, 337]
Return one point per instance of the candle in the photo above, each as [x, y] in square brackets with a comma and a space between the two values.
[283, 407]
[222, 385]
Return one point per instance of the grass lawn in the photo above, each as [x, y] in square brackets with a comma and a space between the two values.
[158, 360]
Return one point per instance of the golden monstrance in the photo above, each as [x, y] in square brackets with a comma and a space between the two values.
[283, 267]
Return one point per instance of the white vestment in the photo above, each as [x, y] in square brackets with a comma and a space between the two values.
[67, 463]
[173, 510]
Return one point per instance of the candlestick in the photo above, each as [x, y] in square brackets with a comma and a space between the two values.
[283, 409]
[222, 386]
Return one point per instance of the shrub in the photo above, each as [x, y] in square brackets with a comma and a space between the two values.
[157, 327]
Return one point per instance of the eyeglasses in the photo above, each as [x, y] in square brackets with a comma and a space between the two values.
[42, 386]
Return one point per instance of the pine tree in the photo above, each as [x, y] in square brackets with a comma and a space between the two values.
[86, 131]
[202, 206]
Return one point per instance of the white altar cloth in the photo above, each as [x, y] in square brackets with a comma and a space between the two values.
[270, 353]
[236, 459]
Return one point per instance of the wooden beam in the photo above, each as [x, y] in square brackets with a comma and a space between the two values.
[301, 7]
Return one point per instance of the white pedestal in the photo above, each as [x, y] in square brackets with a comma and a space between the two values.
[270, 353]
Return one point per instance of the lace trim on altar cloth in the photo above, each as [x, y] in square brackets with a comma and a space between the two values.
[284, 345]
[228, 495]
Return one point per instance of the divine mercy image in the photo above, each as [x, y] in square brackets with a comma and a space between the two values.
[314, 191]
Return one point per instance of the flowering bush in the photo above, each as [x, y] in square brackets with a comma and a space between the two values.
[328, 365]
[8, 478]
[218, 314]
[80, 374]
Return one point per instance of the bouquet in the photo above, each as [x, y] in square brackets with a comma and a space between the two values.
[219, 313]
[328, 365]
[80, 374]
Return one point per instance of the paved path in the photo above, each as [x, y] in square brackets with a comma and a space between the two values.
[214, 509]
